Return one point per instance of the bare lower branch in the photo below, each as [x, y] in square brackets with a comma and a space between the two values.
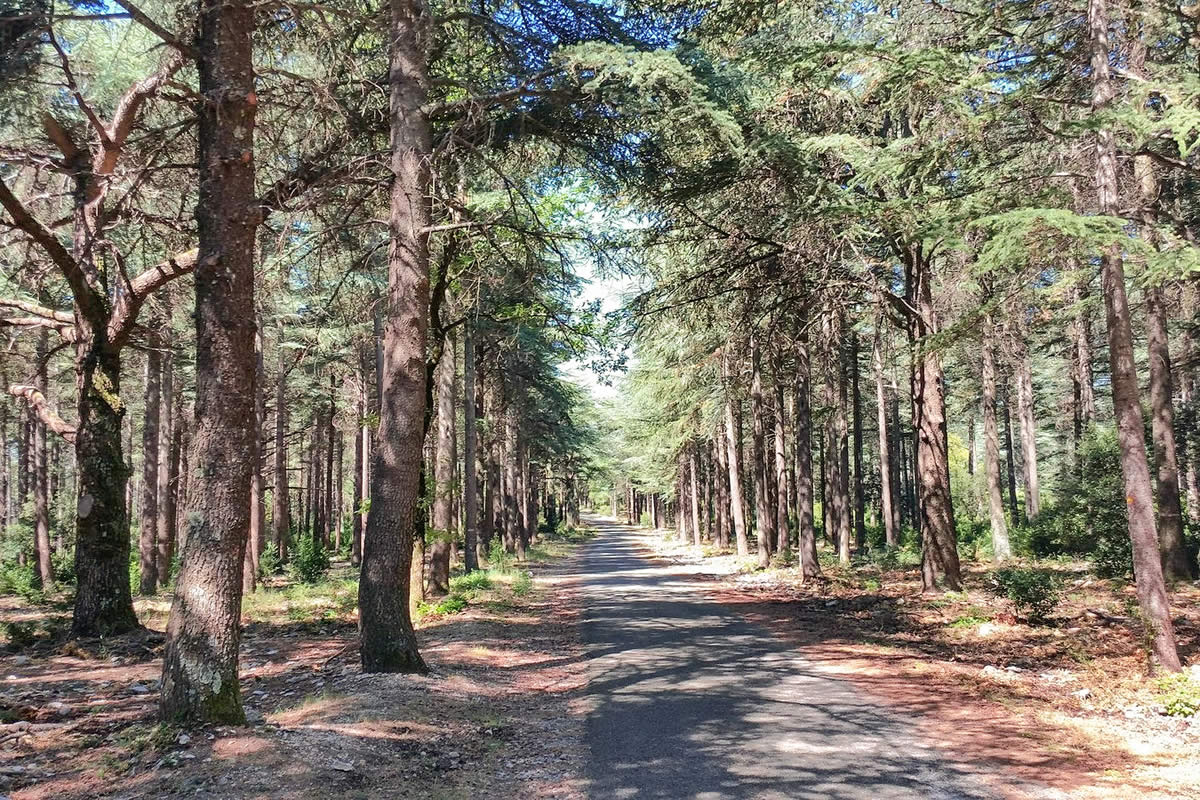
[39, 405]
[130, 302]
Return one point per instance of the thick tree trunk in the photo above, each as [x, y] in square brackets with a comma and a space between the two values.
[1001, 549]
[388, 643]
[888, 505]
[806, 534]
[764, 528]
[103, 597]
[148, 507]
[443, 471]
[474, 553]
[939, 539]
[200, 667]
[1151, 588]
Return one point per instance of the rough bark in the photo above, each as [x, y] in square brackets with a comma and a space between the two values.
[388, 643]
[939, 539]
[694, 469]
[1151, 587]
[258, 508]
[200, 667]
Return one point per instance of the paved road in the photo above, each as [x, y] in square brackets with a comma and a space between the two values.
[690, 701]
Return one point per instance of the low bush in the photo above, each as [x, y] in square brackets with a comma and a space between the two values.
[471, 582]
[269, 562]
[20, 580]
[309, 561]
[522, 584]
[1180, 694]
[1033, 592]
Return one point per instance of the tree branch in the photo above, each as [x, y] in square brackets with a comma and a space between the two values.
[130, 302]
[40, 406]
[90, 303]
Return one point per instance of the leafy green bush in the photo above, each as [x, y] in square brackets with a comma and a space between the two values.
[309, 561]
[451, 604]
[1180, 694]
[1034, 592]
[471, 582]
[498, 558]
[1089, 518]
[522, 584]
[20, 580]
[269, 562]
[64, 567]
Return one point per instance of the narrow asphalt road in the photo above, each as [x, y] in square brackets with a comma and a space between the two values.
[689, 700]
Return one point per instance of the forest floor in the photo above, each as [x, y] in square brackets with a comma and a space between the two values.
[490, 720]
[1066, 703]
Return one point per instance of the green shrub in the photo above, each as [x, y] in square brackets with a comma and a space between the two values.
[451, 604]
[64, 567]
[471, 582]
[1180, 694]
[309, 561]
[20, 580]
[1034, 592]
[1089, 518]
[269, 562]
[499, 559]
[522, 584]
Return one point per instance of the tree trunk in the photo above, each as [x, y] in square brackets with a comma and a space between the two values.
[388, 643]
[806, 535]
[103, 597]
[258, 507]
[1151, 588]
[41, 477]
[474, 554]
[694, 461]
[281, 497]
[1010, 453]
[736, 502]
[783, 536]
[939, 539]
[1001, 549]
[168, 469]
[836, 485]
[443, 469]
[200, 667]
[860, 506]
[721, 481]
[1177, 563]
[888, 505]
[361, 479]
[1028, 426]
[148, 507]
[763, 513]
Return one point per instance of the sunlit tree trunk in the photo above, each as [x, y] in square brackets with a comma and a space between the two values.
[806, 541]
[888, 505]
[737, 503]
[991, 446]
[764, 528]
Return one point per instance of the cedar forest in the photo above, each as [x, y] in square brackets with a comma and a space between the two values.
[854, 305]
